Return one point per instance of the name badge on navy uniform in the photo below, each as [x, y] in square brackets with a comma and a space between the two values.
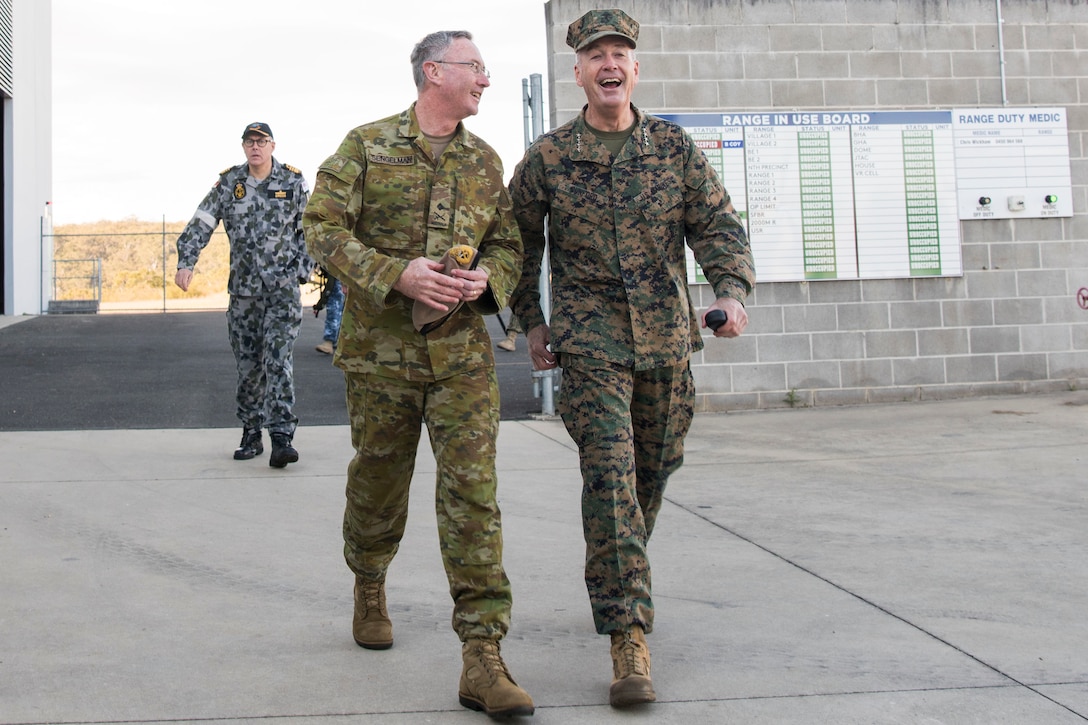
[281, 193]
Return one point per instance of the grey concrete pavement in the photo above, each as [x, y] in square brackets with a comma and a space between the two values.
[913, 563]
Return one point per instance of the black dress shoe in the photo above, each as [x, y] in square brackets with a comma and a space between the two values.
[250, 446]
[282, 452]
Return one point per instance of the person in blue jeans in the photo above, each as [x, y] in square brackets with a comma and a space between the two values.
[334, 308]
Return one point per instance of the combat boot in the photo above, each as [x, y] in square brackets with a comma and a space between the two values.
[486, 684]
[250, 446]
[510, 343]
[282, 452]
[371, 625]
[630, 669]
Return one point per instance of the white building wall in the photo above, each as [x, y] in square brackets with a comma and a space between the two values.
[28, 157]
[1011, 323]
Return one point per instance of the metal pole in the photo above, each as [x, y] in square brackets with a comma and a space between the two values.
[526, 107]
[164, 263]
[532, 95]
[1001, 52]
[43, 304]
[538, 105]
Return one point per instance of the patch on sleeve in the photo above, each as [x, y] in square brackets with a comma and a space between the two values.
[342, 167]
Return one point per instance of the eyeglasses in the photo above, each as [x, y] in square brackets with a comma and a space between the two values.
[251, 142]
[473, 66]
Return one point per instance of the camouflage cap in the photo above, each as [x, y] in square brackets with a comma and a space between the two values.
[597, 24]
[261, 129]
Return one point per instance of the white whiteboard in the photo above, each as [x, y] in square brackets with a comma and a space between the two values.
[877, 194]
[1012, 163]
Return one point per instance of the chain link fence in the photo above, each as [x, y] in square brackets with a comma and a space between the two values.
[118, 266]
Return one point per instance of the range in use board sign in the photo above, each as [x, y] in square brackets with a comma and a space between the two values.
[838, 195]
[1012, 163]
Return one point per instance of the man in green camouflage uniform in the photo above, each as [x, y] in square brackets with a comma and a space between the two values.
[622, 192]
[261, 204]
[388, 205]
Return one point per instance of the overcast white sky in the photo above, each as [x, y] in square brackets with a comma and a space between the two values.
[150, 97]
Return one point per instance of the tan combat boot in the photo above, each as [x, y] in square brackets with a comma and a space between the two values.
[486, 684]
[371, 625]
[630, 669]
[510, 343]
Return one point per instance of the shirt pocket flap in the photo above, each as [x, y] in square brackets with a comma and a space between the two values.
[578, 201]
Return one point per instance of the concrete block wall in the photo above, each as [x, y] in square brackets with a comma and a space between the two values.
[1011, 323]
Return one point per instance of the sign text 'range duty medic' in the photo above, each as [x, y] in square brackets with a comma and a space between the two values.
[1012, 162]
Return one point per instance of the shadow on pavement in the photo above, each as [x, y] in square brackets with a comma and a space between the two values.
[173, 370]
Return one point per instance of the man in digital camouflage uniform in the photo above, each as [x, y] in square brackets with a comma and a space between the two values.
[260, 203]
[387, 206]
[622, 192]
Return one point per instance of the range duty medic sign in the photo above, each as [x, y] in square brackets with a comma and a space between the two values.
[841, 195]
[1012, 163]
